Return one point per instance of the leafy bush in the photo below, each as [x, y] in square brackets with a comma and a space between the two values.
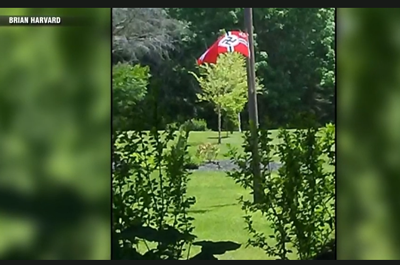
[129, 86]
[172, 126]
[195, 125]
[150, 203]
[182, 141]
[299, 201]
[207, 152]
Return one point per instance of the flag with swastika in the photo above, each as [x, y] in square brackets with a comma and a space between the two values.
[232, 41]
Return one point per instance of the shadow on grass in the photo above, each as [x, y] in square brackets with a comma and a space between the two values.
[210, 208]
[216, 137]
[170, 235]
[199, 211]
[164, 237]
[223, 205]
[167, 236]
[210, 248]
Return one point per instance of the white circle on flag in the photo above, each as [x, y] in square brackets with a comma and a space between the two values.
[229, 41]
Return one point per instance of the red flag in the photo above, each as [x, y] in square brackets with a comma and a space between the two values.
[232, 41]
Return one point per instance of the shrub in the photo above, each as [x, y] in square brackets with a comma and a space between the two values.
[207, 152]
[195, 125]
[150, 201]
[172, 126]
[298, 202]
[129, 87]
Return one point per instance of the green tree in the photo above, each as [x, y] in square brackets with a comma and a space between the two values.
[300, 46]
[129, 87]
[221, 82]
[236, 100]
[143, 31]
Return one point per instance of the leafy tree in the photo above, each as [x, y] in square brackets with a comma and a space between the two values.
[300, 46]
[129, 87]
[236, 100]
[143, 31]
[221, 82]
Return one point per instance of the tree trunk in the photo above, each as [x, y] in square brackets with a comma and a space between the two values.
[239, 123]
[219, 125]
[231, 126]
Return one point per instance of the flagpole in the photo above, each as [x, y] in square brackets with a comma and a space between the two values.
[252, 104]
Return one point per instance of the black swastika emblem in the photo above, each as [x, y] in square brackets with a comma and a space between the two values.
[229, 41]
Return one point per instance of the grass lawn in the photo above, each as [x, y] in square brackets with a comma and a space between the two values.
[235, 140]
[218, 216]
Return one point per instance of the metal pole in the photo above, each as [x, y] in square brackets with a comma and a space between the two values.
[251, 75]
[253, 112]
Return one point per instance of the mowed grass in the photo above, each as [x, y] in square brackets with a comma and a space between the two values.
[198, 138]
[234, 140]
[218, 215]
